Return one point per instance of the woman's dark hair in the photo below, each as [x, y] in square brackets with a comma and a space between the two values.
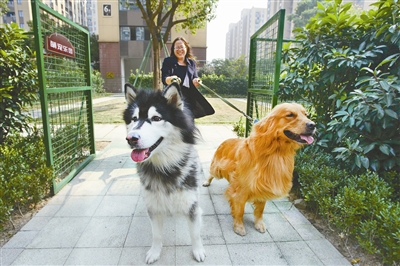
[188, 48]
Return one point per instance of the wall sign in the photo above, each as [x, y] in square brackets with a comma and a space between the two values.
[107, 10]
[59, 44]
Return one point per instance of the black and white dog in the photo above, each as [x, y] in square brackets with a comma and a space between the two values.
[162, 134]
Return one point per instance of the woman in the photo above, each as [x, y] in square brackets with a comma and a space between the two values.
[181, 64]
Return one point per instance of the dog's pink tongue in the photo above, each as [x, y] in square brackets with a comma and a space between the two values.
[139, 155]
[308, 139]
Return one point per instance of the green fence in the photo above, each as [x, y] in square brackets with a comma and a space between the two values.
[264, 68]
[63, 60]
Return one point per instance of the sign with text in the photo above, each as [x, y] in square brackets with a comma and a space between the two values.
[107, 10]
[59, 44]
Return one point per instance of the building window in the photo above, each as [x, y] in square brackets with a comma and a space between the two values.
[125, 34]
[130, 5]
[19, 2]
[134, 34]
[140, 33]
[21, 25]
[20, 13]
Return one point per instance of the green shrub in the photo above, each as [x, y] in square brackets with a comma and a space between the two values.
[381, 235]
[347, 68]
[141, 80]
[18, 79]
[97, 82]
[225, 87]
[360, 199]
[319, 179]
[361, 206]
[24, 177]
[364, 210]
[367, 123]
[239, 128]
[392, 178]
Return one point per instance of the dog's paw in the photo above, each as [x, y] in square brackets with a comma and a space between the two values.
[153, 255]
[206, 183]
[260, 227]
[199, 253]
[239, 229]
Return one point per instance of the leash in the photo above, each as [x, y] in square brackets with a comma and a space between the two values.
[227, 102]
[178, 80]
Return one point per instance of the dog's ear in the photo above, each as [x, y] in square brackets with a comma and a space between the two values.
[173, 95]
[130, 93]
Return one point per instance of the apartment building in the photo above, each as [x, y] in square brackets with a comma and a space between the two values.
[239, 34]
[20, 11]
[238, 37]
[91, 14]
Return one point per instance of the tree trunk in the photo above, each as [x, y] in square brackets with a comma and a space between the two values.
[157, 84]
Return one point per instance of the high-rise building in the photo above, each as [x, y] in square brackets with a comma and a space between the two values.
[91, 13]
[290, 7]
[238, 36]
[20, 11]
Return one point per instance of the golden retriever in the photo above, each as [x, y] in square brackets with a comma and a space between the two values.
[260, 167]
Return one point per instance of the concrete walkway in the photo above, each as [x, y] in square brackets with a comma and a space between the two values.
[99, 219]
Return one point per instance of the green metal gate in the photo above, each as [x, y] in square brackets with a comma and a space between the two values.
[264, 68]
[63, 61]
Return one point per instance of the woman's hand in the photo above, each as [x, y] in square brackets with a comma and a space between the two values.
[169, 79]
[196, 82]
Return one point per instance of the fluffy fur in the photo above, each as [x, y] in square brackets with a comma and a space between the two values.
[162, 134]
[260, 167]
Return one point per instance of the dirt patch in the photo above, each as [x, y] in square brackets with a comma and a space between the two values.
[100, 145]
[17, 220]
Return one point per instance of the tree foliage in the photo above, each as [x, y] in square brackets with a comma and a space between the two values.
[18, 79]
[229, 68]
[25, 183]
[162, 16]
[3, 7]
[347, 69]
[305, 10]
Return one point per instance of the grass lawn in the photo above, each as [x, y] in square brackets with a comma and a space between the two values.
[110, 112]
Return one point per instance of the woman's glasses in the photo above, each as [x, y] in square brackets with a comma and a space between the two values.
[180, 48]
